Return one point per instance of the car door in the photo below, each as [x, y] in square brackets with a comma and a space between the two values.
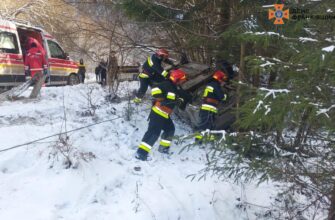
[11, 60]
[60, 66]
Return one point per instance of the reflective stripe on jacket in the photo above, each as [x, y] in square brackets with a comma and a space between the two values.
[213, 94]
[166, 95]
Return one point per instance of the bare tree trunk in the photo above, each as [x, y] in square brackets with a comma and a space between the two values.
[112, 61]
[112, 73]
[240, 76]
[231, 10]
[256, 79]
[272, 78]
[331, 212]
[302, 129]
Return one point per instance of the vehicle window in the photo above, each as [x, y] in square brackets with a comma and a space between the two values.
[8, 43]
[55, 50]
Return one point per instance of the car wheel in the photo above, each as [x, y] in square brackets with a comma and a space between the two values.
[73, 80]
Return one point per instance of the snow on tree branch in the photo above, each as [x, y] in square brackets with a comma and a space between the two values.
[261, 103]
[273, 92]
[324, 111]
[269, 92]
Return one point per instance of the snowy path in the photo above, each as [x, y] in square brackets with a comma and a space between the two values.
[35, 185]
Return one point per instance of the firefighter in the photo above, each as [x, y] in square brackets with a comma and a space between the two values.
[152, 72]
[167, 95]
[212, 96]
[35, 67]
[81, 71]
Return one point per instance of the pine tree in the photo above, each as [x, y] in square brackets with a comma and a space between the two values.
[192, 27]
[286, 118]
[285, 87]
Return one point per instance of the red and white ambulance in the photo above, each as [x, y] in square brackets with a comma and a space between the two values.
[13, 37]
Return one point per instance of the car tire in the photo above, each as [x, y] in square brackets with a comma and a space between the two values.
[73, 80]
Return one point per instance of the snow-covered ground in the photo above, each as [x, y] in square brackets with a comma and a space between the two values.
[102, 183]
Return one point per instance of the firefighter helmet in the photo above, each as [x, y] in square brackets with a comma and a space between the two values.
[220, 76]
[177, 76]
[162, 53]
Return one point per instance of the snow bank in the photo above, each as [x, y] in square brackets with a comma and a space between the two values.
[35, 185]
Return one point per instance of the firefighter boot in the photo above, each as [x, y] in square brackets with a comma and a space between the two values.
[141, 154]
[198, 138]
[163, 150]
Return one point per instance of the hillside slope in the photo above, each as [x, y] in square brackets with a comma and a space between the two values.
[102, 183]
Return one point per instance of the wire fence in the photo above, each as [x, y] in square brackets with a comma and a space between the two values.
[71, 131]
[57, 134]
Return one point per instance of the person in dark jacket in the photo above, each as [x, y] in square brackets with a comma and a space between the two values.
[103, 72]
[167, 95]
[97, 74]
[212, 96]
[153, 72]
[81, 71]
[100, 72]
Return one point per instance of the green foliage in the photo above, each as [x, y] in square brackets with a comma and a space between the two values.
[264, 113]
[282, 133]
[288, 124]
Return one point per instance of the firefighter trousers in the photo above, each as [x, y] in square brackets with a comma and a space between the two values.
[157, 124]
[144, 84]
[206, 120]
[146, 80]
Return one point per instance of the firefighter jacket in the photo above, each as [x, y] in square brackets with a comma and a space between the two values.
[35, 61]
[152, 68]
[212, 96]
[167, 96]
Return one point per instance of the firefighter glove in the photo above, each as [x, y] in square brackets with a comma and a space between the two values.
[181, 103]
[224, 97]
[137, 100]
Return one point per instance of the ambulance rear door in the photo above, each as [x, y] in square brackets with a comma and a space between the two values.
[11, 59]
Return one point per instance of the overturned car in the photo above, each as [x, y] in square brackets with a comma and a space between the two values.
[198, 76]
